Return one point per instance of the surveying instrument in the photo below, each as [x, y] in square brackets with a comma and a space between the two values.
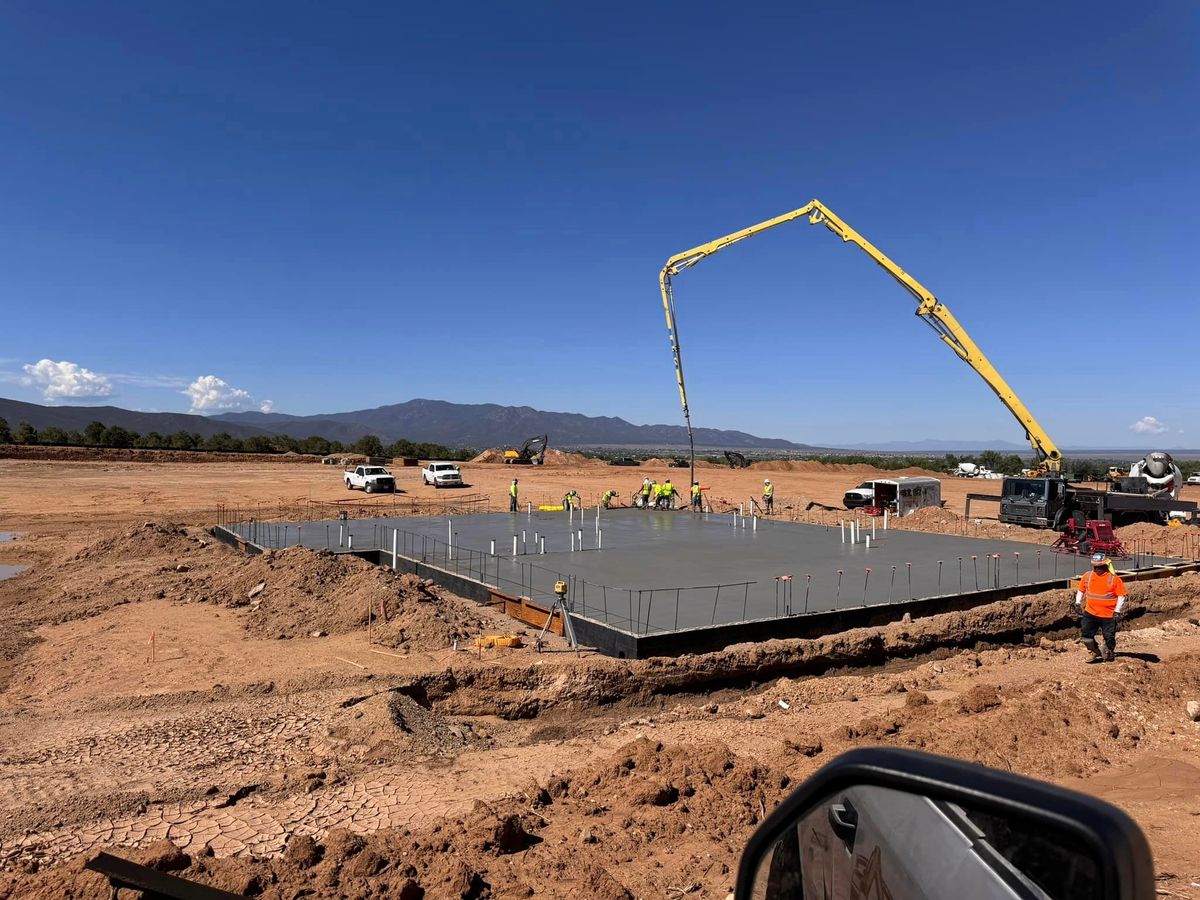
[560, 607]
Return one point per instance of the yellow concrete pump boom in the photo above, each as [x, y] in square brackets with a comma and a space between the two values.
[929, 308]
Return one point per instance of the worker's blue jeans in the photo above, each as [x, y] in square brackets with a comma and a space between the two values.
[512, 502]
[1107, 627]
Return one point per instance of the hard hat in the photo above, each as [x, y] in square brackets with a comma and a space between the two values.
[766, 481]
[1099, 559]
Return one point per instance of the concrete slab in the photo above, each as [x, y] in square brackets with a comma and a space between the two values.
[652, 572]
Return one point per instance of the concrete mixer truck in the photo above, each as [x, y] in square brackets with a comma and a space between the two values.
[1160, 473]
[1149, 493]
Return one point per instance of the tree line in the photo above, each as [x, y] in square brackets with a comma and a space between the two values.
[97, 434]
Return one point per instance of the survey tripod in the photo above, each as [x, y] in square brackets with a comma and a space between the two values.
[560, 607]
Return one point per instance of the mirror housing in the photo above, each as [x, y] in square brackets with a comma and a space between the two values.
[1116, 851]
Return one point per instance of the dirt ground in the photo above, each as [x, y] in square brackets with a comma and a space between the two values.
[225, 717]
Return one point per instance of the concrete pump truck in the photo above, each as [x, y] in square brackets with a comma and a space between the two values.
[1043, 498]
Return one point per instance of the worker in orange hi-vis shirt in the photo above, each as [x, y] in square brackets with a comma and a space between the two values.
[1101, 596]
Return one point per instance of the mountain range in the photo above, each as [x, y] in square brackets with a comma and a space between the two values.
[434, 421]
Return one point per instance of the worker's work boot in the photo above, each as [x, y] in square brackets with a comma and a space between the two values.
[1109, 656]
[1093, 648]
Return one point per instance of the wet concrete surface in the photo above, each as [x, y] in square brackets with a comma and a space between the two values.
[652, 571]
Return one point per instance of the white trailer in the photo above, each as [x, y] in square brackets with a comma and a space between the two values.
[905, 495]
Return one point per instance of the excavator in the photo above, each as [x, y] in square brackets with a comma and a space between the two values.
[1043, 498]
[532, 452]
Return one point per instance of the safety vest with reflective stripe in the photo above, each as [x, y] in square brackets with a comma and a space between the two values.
[646, 489]
[512, 490]
[768, 490]
[695, 490]
[1100, 594]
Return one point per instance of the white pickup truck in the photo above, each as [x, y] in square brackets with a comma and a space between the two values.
[863, 495]
[371, 479]
[442, 474]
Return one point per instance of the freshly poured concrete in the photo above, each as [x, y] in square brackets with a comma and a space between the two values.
[671, 570]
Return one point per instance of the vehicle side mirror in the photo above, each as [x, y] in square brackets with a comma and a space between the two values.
[903, 825]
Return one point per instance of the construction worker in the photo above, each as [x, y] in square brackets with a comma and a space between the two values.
[607, 499]
[696, 496]
[768, 495]
[1101, 598]
[667, 495]
[571, 500]
[512, 496]
[648, 490]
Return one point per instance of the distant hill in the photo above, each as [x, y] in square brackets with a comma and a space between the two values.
[76, 418]
[491, 425]
[433, 421]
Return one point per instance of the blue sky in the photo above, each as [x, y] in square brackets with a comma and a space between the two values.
[217, 205]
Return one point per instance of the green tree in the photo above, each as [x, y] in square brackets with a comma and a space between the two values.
[316, 445]
[5, 435]
[185, 440]
[53, 435]
[94, 433]
[402, 448]
[283, 443]
[259, 443]
[151, 440]
[116, 436]
[26, 434]
[222, 442]
[368, 445]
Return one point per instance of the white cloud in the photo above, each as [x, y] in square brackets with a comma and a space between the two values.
[59, 380]
[1148, 425]
[267, 406]
[211, 394]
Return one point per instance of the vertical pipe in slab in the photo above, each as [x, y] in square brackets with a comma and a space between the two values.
[514, 545]
[885, 520]
[449, 539]
[350, 539]
[600, 539]
[842, 529]
[522, 542]
[572, 541]
[543, 546]
[755, 527]
[395, 539]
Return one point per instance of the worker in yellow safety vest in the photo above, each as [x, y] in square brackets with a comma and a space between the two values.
[668, 494]
[648, 491]
[696, 496]
[768, 495]
[1101, 598]
[607, 499]
[512, 496]
[571, 500]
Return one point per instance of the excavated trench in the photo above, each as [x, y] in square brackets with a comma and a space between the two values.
[532, 691]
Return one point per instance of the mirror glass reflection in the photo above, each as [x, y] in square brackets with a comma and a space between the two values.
[875, 843]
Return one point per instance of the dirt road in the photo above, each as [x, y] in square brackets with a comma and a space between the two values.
[151, 690]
